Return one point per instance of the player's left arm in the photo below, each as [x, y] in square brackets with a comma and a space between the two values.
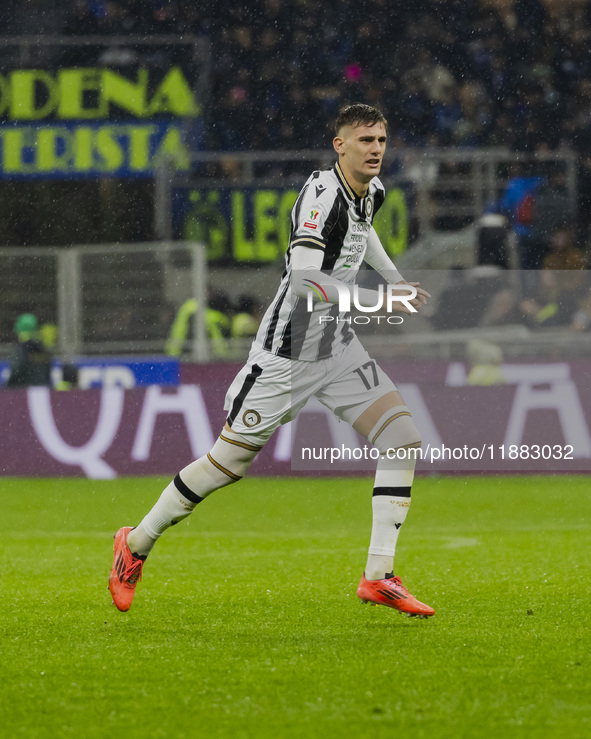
[376, 257]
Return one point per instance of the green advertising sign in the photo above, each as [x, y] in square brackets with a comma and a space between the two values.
[249, 225]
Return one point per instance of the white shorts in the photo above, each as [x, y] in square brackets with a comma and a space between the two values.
[271, 390]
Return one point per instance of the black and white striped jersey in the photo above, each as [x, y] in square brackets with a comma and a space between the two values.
[329, 216]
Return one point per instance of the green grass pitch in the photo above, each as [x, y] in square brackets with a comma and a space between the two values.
[246, 623]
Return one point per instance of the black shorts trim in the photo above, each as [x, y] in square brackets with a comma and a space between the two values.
[249, 381]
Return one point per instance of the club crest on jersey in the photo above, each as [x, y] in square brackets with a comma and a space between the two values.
[368, 207]
[310, 223]
[251, 418]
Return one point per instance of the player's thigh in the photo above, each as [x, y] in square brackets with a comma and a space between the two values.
[259, 397]
[268, 392]
[359, 391]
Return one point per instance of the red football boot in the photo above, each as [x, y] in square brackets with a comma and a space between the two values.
[391, 592]
[126, 571]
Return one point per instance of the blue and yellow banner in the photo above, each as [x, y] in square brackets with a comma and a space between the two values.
[91, 149]
[93, 122]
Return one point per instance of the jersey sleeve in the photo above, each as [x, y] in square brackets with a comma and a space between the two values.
[379, 196]
[377, 258]
[307, 273]
[314, 214]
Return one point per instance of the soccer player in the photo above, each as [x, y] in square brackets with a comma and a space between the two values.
[301, 350]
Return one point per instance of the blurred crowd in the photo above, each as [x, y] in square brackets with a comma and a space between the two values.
[446, 72]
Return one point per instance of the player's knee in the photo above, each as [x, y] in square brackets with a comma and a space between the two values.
[233, 454]
[226, 463]
[394, 430]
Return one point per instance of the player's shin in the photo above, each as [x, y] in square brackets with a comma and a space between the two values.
[396, 437]
[225, 464]
[390, 504]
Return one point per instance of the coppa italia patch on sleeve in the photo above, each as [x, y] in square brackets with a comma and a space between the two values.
[312, 220]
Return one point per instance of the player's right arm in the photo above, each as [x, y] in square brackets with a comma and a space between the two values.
[314, 216]
[376, 257]
[308, 278]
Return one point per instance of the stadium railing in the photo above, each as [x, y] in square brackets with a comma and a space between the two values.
[122, 299]
[445, 189]
[106, 299]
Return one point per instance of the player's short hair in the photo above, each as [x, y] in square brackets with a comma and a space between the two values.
[359, 114]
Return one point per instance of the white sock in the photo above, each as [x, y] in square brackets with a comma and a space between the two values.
[389, 513]
[178, 500]
[170, 508]
[390, 504]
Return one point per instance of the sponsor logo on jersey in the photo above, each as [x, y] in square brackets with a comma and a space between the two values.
[313, 217]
